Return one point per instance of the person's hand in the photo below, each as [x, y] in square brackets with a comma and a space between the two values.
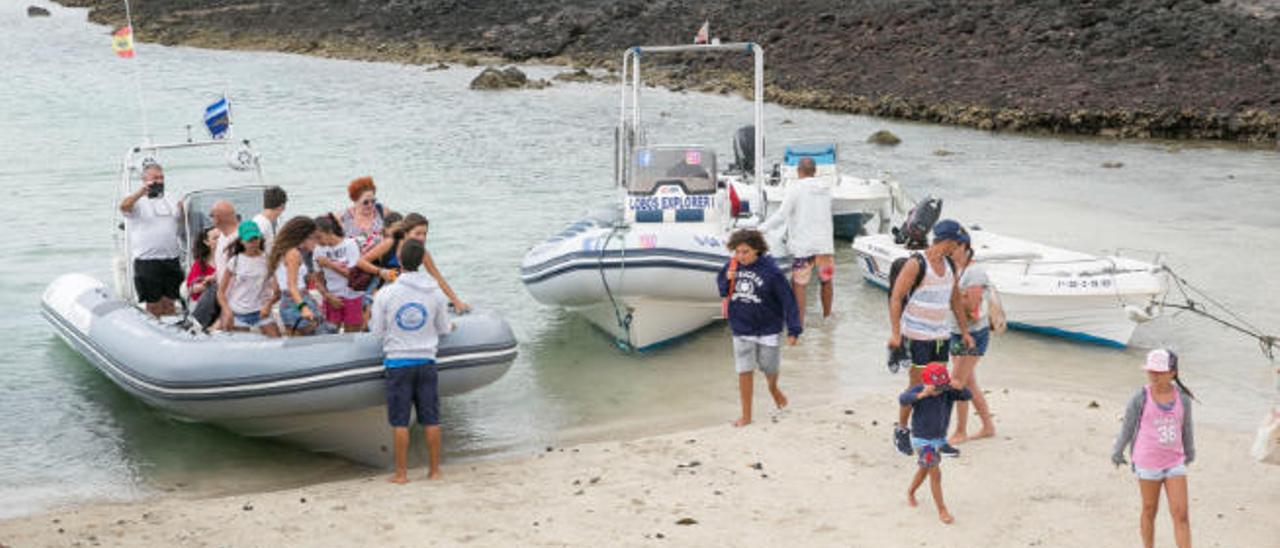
[460, 307]
[968, 340]
[793, 340]
[895, 341]
[387, 274]
[306, 313]
[333, 300]
[224, 320]
[1118, 459]
[955, 383]
[929, 390]
[265, 312]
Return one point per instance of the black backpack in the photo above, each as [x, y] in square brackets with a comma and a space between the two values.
[896, 268]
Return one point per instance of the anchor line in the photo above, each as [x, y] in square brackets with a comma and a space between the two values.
[624, 324]
[1268, 344]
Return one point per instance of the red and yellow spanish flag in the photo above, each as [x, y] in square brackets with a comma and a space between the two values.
[122, 42]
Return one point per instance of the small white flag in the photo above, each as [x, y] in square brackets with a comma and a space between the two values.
[704, 33]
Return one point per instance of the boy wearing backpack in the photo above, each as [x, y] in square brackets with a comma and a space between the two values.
[921, 298]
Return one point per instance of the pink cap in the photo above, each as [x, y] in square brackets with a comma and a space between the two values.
[1161, 361]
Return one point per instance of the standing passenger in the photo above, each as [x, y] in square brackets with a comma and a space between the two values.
[298, 311]
[151, 221]
[409, 316]
[363, 221]
[245, 288]
[336, 257]
[273, 202]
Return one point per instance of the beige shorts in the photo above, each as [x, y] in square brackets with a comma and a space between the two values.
[802, 269]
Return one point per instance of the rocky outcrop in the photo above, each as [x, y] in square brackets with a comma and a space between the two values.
[37, 11]
[884, 137]
[1120, 68]
[493, 78]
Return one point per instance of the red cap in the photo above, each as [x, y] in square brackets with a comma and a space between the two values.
[935, 374]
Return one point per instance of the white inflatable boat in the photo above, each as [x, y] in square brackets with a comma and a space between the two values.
[644, 271]
[324, 392]
[1045, 289]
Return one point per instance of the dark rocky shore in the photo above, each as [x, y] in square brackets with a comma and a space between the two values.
[1199, 69]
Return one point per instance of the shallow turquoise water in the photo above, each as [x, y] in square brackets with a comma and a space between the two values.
[498, 172]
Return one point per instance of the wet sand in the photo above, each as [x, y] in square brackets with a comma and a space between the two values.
[821, 475]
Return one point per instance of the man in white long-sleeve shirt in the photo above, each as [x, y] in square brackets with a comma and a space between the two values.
[409, 316]
[806, 216]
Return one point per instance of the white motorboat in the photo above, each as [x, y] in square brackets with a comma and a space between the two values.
[854, 200]
[1045, 289]
[644, 270]
[323, 392]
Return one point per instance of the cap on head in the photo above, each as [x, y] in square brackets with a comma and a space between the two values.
[948, 229]
[248, 230]
[935, 374]
[1161, 360]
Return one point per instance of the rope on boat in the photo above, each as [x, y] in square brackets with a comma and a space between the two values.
[624, 322]
[1213, 309]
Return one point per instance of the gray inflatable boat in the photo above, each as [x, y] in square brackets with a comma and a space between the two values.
[323, 392]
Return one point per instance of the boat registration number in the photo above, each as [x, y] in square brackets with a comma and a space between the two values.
[647, 203]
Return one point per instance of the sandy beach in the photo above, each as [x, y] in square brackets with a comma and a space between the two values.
[822, 475]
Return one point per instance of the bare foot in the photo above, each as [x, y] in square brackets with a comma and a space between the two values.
[985, 433]
[741, 422]
[911, 499]
[958, 438]
[399, 479]
[945, 516]
[434, 475]
[780, 400]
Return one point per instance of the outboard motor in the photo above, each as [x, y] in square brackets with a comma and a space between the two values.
[744, 149]
[914, 232]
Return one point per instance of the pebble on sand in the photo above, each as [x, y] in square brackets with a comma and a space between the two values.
[1112, 165]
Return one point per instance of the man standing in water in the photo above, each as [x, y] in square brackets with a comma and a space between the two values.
[151, 221]
[409, 315]
[922, 297]
[806, 216]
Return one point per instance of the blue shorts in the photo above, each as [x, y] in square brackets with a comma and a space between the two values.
[252, 319]
[292, 317]
[1160, 475]
[981, 338]
[410, 387]
[927, 455]
[926, 352]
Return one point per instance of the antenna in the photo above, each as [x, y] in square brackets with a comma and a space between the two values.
[137, 77]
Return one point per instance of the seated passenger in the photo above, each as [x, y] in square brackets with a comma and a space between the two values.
[202, 273]
[298, 311]
[336, 256]
[413, 227]
[244, 290]
[208, 309]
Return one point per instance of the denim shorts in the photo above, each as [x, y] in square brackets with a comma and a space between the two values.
[981, 338]
[252, 319]
[927, 450]
[291, 316]
[1160, 475]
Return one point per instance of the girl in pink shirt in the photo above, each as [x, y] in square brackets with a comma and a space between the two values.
[1157, 430]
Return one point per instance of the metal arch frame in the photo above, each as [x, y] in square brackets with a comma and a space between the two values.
[627, 133]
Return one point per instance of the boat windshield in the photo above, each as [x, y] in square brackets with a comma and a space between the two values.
[197, 205]
[692, 167]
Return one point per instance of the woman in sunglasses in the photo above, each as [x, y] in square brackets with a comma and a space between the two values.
[363, 221]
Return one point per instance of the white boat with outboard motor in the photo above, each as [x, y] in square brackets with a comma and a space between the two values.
[1043, 289]
[644, 270]
[854, 200]
[324, 392]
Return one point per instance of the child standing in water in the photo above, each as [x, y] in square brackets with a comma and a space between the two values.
[930, 416]
[1157, 431]
[760, 302]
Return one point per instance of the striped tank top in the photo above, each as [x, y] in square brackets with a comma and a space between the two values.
[925, 318]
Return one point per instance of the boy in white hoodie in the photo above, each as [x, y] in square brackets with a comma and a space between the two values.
[806, 216]
[409, 316]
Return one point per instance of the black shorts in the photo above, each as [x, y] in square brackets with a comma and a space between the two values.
[926, 352]
[410, 387]
[155, 279]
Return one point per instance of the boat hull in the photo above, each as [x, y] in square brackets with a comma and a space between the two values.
[1062, 293]
[325, 393]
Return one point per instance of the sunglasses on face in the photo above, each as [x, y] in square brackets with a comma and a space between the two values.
[366, 201]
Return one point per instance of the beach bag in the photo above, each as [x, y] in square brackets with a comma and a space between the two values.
[995, 311]
[358, 280]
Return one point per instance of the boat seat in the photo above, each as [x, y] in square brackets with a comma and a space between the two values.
[649, 216]
[690, 215]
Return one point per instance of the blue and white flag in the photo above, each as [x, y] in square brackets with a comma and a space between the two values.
[217, 117]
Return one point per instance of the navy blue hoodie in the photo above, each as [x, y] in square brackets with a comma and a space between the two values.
[761, 299]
